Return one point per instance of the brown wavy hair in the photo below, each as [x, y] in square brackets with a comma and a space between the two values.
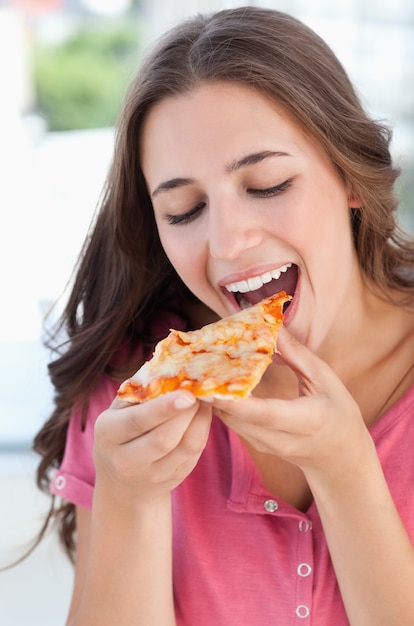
[124, 277]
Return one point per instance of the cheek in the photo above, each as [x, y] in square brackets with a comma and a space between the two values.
[184, 255]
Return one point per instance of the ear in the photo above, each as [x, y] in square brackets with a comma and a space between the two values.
[354, 201]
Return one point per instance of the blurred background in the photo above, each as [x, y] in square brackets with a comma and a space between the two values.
[64, 68]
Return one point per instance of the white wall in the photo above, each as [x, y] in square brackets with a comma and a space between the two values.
[36, 592]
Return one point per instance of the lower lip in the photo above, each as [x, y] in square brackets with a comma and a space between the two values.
[291, 310]
[231, 298]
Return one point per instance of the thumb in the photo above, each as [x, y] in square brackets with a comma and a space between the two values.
[310, 370]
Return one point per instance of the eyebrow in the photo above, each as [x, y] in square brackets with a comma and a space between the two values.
[253, 159]
[250, 159]
[174, 183]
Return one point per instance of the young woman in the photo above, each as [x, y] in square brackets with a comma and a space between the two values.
[242, 150]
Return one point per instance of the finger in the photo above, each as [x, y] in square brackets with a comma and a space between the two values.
[119, 404]
[311, 371]
[250, 413]
[261, 410]
[169, 452]
[198, 430]
[164, 439]
[181, 399]
[128, 422]
[189, 445]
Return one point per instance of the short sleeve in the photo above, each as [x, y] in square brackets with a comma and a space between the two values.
[75, 479]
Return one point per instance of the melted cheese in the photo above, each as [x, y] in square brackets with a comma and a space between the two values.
[225, 359]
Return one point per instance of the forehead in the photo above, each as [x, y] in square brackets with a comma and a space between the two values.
[213, 99]
[223, 117]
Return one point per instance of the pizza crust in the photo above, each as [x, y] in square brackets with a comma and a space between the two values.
[225, 359]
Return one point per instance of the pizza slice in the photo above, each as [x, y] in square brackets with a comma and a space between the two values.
[225, 359]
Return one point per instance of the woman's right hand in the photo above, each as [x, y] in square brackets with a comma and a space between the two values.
[124, 545]
[143, 451]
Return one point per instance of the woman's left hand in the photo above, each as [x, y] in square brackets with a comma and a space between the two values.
[316, 430]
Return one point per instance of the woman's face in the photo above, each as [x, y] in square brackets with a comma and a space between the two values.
[247, 205]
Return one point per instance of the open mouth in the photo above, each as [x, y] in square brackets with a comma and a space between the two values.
[252, 290]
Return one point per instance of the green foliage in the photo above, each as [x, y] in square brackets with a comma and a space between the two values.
[81, 82]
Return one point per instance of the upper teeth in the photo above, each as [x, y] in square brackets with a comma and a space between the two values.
[251, 284]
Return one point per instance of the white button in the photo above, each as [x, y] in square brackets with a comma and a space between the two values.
[60, 482]
[305, 525]
[304, 569]
[302, 611]
[271, 506]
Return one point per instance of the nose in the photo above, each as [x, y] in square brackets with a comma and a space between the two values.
[231, 230]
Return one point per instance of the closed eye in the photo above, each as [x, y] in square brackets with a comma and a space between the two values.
[189, 216]
[185, 218]
[270, 191]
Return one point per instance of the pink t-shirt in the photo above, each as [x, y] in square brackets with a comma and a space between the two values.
[241, 556]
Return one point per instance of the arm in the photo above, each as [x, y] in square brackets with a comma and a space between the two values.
[323, 433]
[371, 552]
[124, 552]
[123, 570]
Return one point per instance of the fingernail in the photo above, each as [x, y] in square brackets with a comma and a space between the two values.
[184, 402]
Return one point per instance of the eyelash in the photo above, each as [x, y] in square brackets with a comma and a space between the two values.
[191, 215]
[185, 218]
[271, 191]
